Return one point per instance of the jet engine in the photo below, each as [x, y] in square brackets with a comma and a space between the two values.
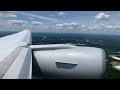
[62, 61]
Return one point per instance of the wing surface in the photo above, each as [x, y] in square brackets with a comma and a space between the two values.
[15, 56]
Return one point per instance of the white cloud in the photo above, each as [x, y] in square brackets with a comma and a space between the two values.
[39, 16]
[106, 27]
[17, 23]
[75, 26]
[109, 26]
[71, 24]
[117, 26]
[7, 14]
[102, 16]
[83, 25]
[61, 14]
[38, 25]
[91, 28]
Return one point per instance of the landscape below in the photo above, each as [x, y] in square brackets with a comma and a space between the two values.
[110, 43]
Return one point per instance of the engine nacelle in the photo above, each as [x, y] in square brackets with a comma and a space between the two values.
[72, 63]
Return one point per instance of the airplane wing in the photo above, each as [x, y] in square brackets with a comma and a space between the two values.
[15, 56]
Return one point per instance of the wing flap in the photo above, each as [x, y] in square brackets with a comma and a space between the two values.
[6, 63]
[21, 67]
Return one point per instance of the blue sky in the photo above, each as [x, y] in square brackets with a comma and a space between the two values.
[96, 22]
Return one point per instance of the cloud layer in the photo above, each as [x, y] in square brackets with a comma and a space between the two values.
[17, 24]
[78, 27]
[7, 14]
[75, 26]
[35, 21]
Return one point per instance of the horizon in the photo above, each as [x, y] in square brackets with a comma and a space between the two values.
[61, 32]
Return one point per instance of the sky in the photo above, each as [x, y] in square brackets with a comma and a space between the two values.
[92, 22]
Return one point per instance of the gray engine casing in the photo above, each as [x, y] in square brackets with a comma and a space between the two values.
[72, 63]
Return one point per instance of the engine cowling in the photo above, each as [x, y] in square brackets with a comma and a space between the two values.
[72, 63]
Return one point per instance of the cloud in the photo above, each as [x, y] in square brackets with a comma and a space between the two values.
[30, 18]
[109, 26]
[117, 26]
[17, 23]
[61, 14]
[113, 27]
[102, 16]
[21, 22]
[38, 16]
[75, 26]
[36, 23]
[14, 25]
[69, 28]
[71, 24]
[83, 25]
[106, 27]
[39, 25]
[91, 28]
[8, 14]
